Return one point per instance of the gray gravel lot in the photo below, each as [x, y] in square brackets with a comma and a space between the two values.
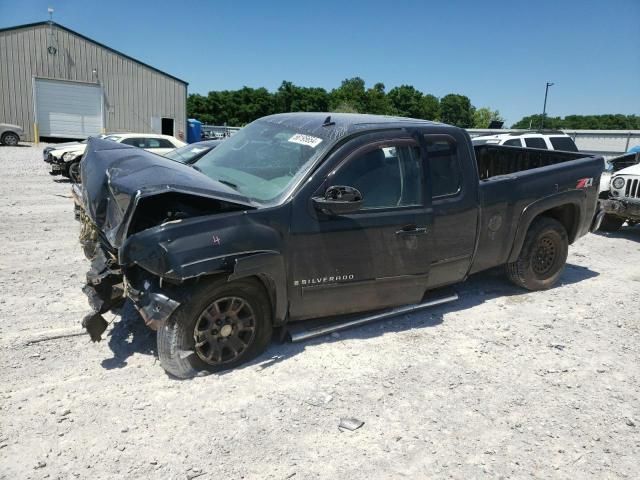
[501, 384]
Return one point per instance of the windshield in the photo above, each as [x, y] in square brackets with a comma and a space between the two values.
[188, 153]
[262, 160]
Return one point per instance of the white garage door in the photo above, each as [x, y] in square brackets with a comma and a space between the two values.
[68, 109]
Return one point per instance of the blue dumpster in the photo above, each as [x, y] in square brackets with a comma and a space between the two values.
[194, 130]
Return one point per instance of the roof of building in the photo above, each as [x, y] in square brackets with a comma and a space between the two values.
[62, 27]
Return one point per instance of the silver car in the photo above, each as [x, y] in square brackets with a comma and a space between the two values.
[10, 134]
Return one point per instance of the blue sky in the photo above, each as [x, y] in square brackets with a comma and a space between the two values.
[499, 54]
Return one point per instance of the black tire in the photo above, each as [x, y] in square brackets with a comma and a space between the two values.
[224, 337]
[10, 139]
[611, 223]
[73, 171]
[543, 255]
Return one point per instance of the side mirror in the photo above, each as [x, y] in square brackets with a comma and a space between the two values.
[339, 200]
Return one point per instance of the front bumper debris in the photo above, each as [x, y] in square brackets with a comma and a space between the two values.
[621, 208]
[104, 290]
[107, 288]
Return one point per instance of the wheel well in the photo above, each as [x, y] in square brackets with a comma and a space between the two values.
[264, 281]
[567, 215]
[9, 132]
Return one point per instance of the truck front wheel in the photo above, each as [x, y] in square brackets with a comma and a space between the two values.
[222, 325]
[611, 223]
[543, 255]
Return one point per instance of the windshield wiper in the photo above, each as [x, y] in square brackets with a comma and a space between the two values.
[226, 182]
[195, 167]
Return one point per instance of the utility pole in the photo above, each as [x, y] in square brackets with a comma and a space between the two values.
[544, 108]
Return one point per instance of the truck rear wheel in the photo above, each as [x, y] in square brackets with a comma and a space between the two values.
[221, 326]
[611, 223]
[543, 255]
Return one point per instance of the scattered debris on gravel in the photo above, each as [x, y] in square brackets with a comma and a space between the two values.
[503, 383]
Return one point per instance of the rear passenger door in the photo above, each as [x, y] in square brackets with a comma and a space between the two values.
[453, 186]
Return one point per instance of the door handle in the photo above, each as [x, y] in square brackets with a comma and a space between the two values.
[412, 230]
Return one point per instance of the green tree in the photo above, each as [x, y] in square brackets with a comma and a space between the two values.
[456, 110]
[350, 95]
[430, 107]
[377, 101]
[291, 98]
[482, 117]
[406, 101]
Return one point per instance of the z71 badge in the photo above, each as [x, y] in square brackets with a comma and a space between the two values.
[321, 280]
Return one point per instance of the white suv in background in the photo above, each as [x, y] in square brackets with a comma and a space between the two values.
[551, 140]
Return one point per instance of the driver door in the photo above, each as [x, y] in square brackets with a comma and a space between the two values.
[376, 257]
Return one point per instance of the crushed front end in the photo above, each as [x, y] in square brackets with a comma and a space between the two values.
[141, 230]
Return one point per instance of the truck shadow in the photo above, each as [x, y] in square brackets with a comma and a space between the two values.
[129, 334]
[476, 290]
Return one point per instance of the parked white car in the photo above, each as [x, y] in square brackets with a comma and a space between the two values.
[65, 158]
[546, 140]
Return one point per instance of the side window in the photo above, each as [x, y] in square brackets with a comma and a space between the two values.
[535, 142]
[387, 176]
[446, 173]
[563, 143]
[515, 142]
[159, 143]
[136, 142]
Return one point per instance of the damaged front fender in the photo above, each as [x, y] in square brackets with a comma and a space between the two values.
[200, 246]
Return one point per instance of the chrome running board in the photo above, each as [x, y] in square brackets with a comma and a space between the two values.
[298, 333]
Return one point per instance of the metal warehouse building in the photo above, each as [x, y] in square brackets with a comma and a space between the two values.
[55, 82]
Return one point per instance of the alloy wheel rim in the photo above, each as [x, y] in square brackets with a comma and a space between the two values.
[224, 330]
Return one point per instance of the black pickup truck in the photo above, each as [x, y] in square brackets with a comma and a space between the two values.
[312, 215]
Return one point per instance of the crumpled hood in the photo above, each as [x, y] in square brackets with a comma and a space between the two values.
[116, 176]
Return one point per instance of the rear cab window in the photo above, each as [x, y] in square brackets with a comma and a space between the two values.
[444, 165]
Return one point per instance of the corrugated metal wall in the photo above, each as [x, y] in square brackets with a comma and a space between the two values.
[133, 92]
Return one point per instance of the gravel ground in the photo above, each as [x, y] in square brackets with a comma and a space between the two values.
[501, 384]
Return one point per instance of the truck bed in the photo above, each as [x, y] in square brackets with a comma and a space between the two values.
[516, 182]
[494, 160]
